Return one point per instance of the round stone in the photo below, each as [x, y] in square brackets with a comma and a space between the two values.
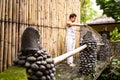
[42, 67]
[44, 62]
[38, 62]
[31, 58]
[49, 60]
[21, 62]
[40, 58]
[39, 73]
[34, 66]
[27, 64]
[43, 78]
[48, 66]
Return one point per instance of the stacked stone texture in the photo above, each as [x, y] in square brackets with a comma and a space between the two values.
[39, 65]
[88, 57]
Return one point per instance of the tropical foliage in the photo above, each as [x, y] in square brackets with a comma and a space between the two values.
[87, 12]
[112, 72]
[115, 35]
[110, 7]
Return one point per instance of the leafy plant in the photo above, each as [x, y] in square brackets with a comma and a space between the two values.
[115, 35]
[112, 72]
[87, 12]
[110, 7]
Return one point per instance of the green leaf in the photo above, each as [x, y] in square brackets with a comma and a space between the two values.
[115, 77]
[110, 7]
[115, 72]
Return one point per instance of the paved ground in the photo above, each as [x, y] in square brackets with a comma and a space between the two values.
[64, 72]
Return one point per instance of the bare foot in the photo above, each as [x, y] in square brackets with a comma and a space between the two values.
[72, 65]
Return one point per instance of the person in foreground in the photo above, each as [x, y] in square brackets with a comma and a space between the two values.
[70, 36]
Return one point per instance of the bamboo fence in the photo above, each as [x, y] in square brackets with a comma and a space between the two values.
[47, 16]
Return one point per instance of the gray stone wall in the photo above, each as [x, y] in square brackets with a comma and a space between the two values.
[115, 48]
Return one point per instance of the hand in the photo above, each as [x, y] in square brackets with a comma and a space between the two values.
[85, 25]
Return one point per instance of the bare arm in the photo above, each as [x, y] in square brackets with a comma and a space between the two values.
[74, 24]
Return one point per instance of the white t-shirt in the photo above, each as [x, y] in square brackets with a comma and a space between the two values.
[71, 31]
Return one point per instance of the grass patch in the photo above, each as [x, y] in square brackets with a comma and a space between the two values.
[13, 73]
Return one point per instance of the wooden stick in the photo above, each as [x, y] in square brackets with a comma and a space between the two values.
[68, 54]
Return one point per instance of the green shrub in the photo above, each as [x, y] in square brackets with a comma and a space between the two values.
[115, 35]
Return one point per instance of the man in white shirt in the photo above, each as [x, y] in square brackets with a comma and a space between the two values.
[70, 36]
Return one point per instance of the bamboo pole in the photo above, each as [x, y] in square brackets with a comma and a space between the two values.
[55, 30]
[33, 12]
[43, 23]
[68, 54]
[30, 11]
[46, 23]
[20, 25]
[62, 25]
[50, 24]
[2, 36]
[13, 31]
[36, 15]
[9, 62]
[17, 33]
[0, 8]
[6, 38]
[42, 20]
[27, 6]
[54, 48]
[39, 19]
[59, 42]
[71, 53]
[20, 21]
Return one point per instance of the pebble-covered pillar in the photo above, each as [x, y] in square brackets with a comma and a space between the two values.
[104, 51]
[37, 61]
[88, 57]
